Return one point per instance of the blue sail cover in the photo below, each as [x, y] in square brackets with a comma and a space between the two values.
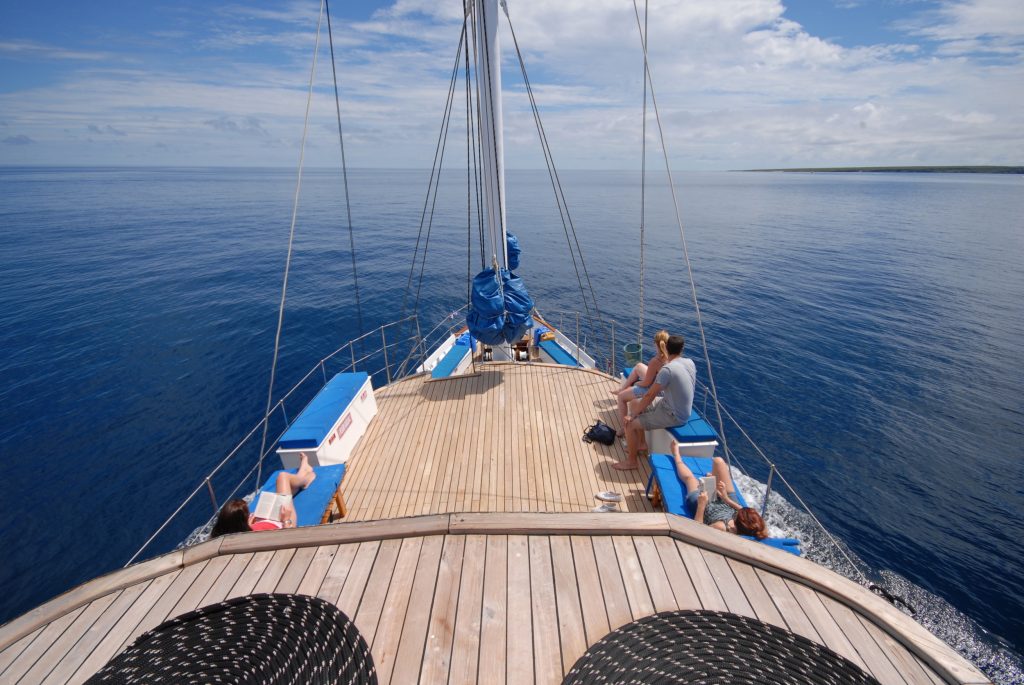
[513, 249]
[493, 318]
[486, 318]
[518, 305]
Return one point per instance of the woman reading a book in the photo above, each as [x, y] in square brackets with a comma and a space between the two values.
[724, 513]
[234, 516]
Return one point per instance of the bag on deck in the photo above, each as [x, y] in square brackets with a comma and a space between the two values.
[600, 432]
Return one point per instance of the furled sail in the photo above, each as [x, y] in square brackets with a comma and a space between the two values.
[513, 251]
[486, 317]
[500, 306]
[518, 306]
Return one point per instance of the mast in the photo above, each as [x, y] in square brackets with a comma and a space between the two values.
[488, 69]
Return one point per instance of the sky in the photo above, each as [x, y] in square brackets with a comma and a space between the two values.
[739, 83]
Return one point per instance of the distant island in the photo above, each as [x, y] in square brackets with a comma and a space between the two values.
[912, 169]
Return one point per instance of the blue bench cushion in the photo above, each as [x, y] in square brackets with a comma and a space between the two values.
[558, 353]
[673, 493]
[694, 430]
[450, 361]
[311, 502]
[315, 422]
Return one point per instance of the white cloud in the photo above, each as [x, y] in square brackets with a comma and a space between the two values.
[27, 49]
[970, 26]
[739, 83]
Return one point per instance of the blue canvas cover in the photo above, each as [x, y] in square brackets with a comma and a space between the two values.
[318, 418]
[311, 503]
[694, 430]
[486, 317]
[513, 249]
[518, 305]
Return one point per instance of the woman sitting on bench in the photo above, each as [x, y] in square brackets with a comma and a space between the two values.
[641, 377]
[724, 513]
[234, 516]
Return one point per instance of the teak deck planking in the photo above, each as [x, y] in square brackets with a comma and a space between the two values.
[478, 608]
[506, 596]
[504, 439]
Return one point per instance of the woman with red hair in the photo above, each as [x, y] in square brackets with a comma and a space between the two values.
[724, 513]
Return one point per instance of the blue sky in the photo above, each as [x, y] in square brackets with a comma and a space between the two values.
[741, 83]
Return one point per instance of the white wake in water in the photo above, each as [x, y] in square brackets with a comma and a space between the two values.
[985, 650]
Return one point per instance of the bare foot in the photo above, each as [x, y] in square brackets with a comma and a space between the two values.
[627, 465]
[305, 471]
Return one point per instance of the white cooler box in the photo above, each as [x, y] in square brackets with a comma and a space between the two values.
[331, 424]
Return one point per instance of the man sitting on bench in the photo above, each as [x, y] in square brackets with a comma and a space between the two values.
[675, 383]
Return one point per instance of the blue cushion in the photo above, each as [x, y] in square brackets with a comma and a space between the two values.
[311, 502]
[558, 353]
[318, 418]
[673, 493]
[694, 430]
[450, 361]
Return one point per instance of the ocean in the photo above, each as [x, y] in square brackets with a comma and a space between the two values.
[867, 330]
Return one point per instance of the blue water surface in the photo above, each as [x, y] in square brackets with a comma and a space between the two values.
[865, 328]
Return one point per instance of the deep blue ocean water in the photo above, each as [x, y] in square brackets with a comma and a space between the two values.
[866, 329]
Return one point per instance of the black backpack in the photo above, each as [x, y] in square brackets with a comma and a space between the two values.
[600, 432]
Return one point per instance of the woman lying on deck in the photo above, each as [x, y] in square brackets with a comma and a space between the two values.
[724, 513]
[641, 377]
[234, 516]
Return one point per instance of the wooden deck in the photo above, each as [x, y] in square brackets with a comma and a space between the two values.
[489, 598]
[499, 592]
[504, 439]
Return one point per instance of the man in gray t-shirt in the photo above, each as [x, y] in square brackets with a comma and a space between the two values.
[675, 383]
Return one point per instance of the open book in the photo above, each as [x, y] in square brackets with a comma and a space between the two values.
[268, 506]
[709, 484]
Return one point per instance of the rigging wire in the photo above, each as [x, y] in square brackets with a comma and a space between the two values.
[643, 185]
[469, 185]
[799, 499]
[477, 146]
[344, 171]
[556, 185]
[291, 241]
[434, 173]
[440, 164]
[682, 236]
[496, 243]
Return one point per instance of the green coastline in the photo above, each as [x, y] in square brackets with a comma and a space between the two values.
[907, 169]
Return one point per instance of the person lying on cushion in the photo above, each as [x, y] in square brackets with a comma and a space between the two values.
[724, 513]
[234, 516]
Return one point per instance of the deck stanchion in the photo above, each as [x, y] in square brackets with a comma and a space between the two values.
[352, 349]
[284, 414]
[419, 341]
[768, 491]
[323, 371]
[387, 368]
[577, 335]
[613, 347]
[213, 498]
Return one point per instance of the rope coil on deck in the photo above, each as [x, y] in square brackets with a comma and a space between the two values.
[710, 647]
[260, 638]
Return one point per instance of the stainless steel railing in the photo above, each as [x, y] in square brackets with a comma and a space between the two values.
[376, 352]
